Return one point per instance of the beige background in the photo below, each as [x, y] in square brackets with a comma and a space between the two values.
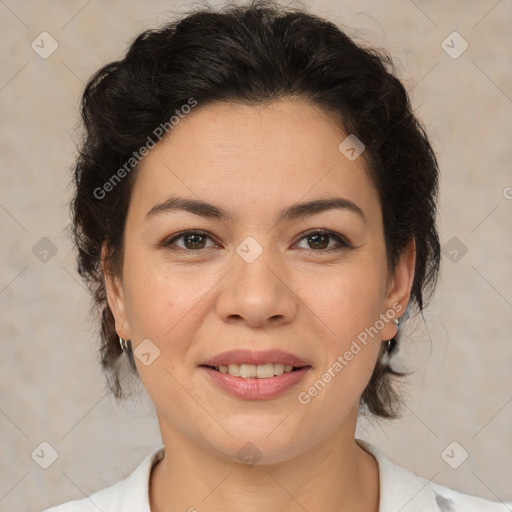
[52, 388]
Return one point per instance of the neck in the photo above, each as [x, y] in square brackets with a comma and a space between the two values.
[334, 476]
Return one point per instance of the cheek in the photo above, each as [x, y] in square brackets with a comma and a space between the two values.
[346, 300]
[154, 299]
[344, 314]
[346, 306]
[165, 304]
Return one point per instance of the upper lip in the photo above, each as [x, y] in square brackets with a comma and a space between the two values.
[251, 357]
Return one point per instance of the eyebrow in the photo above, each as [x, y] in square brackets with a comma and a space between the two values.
[290, 213]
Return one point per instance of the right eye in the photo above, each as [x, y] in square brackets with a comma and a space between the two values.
[194, 240]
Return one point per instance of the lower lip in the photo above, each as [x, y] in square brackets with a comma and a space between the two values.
[256, 389]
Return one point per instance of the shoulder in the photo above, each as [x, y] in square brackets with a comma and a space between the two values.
[402, 490]
[106, 500]
[130, 494]
[449, 500]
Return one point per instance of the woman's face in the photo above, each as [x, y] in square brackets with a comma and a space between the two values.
[256, 280]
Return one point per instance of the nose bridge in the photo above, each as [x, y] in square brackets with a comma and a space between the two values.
[256, 287]
[256, 265]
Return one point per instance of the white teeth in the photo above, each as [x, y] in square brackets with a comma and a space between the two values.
[252, 371]
[248, 371]
[234, 369]
[278, 369]
[264, 371]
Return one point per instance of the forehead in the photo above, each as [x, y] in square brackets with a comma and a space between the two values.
[254, 158]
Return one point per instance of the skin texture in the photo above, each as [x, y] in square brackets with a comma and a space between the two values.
[195, 303]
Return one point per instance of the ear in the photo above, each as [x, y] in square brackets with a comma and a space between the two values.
[115, 298]
[399, 289]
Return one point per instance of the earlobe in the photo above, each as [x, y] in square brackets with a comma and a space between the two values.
[399, 288]
[116, 298]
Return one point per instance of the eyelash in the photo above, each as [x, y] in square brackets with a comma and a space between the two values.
[342, 242]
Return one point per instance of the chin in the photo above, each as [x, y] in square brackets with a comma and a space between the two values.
[257, 443]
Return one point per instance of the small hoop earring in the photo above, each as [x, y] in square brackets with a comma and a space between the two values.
[126, 347]
[391, 346]
[124, 344]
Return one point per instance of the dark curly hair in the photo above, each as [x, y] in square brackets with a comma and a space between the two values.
[252, 54]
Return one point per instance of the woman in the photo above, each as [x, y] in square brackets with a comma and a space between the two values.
[255, 216]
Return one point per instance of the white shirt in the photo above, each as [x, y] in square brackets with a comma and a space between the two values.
[400, 490]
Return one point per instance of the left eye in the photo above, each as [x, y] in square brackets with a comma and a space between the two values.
[319, 240]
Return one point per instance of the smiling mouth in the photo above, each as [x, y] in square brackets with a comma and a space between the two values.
[255, 371]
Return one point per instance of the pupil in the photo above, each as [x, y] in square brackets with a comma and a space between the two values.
[191, 237]
[323, 245]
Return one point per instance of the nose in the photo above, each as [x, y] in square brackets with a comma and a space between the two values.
[258, 292]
